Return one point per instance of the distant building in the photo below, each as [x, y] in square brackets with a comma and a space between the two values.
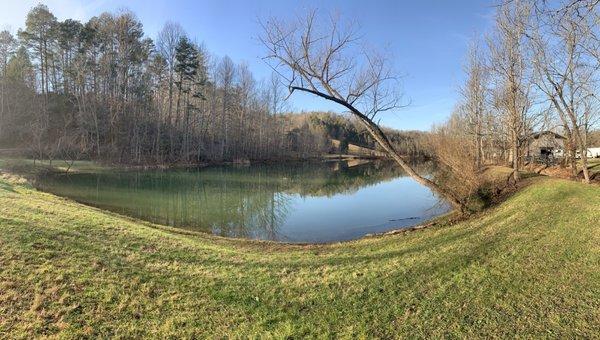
[591, 153]
[545, 145]
[594, 152]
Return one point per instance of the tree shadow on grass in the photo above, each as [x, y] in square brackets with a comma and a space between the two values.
[7, 187]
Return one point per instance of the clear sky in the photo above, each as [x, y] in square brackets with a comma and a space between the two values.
[427, 39]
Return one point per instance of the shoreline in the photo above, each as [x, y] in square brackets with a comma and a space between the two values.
[33, 178]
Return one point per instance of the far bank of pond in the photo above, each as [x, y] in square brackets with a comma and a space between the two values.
[290, 202]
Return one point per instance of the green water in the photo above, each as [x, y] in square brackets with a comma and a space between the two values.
[298, 202]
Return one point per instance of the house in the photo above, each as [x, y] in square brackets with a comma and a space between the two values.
[544, 145]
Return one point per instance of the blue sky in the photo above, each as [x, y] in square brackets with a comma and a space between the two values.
[427, 39]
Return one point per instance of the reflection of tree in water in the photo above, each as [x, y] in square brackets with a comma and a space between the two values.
[339, 178]
[229, 201]
[271, 218]
[247, 209]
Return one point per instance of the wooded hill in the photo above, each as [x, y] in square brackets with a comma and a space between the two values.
[103, 90]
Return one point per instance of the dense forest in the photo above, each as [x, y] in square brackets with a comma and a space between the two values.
[103, 90]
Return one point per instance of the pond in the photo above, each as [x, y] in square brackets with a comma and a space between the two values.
[295, 202]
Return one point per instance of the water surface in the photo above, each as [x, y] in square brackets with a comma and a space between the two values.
[298, 202]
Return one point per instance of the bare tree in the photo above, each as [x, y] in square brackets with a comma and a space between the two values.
[324, 61]
[276, 94]
[474, 94]
[456, 149]
[226, 73]
[566, 74]
[168, 39]
[277, 105]
[509, 65]
[246, 89]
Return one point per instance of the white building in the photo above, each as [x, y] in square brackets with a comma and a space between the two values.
[591, 153]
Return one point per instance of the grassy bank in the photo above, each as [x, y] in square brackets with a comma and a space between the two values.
[529, 267]
[31, 168]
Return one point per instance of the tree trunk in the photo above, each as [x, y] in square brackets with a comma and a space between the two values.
[515, 156]
[584, 164]
[573, 160]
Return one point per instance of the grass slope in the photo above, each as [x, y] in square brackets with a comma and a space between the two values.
[529, 267]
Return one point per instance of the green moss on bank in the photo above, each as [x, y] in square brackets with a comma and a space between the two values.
[529, 267]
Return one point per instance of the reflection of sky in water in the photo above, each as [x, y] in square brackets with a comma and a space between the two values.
[372, 209]
[321, 202]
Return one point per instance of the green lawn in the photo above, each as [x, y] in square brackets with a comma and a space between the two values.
[529, 268]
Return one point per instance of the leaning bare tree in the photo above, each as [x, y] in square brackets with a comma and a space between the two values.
[328, 61]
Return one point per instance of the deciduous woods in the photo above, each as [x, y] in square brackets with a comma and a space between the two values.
[104, 90]
[536, 75]
[566, 66]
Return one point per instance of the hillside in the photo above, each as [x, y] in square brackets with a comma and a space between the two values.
[528, 268]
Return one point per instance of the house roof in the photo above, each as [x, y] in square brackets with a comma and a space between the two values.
[537, 135]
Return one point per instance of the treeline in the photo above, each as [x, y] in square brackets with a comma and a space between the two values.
[537, 70]
[103, 90]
